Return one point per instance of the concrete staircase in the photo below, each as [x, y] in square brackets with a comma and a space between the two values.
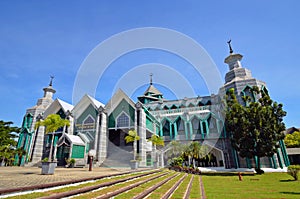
[118, 157]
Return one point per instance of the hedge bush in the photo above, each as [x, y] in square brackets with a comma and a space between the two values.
[293, 170]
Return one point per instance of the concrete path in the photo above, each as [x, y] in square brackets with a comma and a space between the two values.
[12, 177]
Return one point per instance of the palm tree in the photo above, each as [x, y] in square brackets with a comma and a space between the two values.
[156, 141]
[52, 123]
[132, 137]
[196, 151]
[174, 149]
[5, 153]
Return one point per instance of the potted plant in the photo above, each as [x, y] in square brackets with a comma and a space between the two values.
[133, 137]
[134, 164]
[72, 163]
[51, 123]
[48, 167]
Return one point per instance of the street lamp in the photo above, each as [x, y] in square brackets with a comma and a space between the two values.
[92, 153]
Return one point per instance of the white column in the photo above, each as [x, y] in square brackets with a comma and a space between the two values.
[102, 146]
[142, 133]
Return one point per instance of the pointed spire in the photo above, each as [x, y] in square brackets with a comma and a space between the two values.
[51, 79]
[49, 91]
[151, 74]
[230, 48]
[234, 59]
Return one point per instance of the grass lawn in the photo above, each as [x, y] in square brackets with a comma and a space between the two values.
[48, 193]
[195, 191]
[269, 185]
[180, 191]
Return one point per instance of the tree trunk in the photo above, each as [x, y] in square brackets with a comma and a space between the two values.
[20, 160]
[258, 169]
[134, 149]
[258, 163]
[51, 148]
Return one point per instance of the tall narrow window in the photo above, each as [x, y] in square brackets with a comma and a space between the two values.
[212, 124]
[180, 126]
[204, 127]
[166, 128]
[196, 126]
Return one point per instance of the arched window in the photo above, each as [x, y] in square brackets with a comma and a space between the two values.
[191, 105]
[212, 125]
[204, 127]
[173, 107]
[166, 128]
[248, 92]
[196, 126]
[180, 126]
[123, 120]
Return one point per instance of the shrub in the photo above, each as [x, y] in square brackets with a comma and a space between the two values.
[72, 161]
[45, 160]
[176, 162]
[293, 170]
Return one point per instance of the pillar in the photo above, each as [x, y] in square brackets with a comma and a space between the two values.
[191, 129]
[141, 130]
[201, 127]
[102, 135]
[186, 130]
[175, 130]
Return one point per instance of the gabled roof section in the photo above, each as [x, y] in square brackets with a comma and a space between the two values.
[84, 102]
[116, 99]
[95, 102]
[56, 105]
[65, 106]
[291, 130]
[151, 89]
[73, 139]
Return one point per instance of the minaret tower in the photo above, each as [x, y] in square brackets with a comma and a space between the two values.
[30, 138]
[151, 94]
[238, 77]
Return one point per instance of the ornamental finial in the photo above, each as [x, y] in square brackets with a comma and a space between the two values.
[230, 49]
[51, 79]
[151, 74]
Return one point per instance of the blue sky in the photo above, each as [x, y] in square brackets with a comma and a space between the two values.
[43, 38]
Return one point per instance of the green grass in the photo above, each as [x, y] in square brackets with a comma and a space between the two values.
[133, 192]
[180, 191]
[195, 191]
[113, 187]
[158, 193]
[269, 185]
[48, 193]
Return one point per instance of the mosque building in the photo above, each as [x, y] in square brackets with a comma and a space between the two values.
[103, 127]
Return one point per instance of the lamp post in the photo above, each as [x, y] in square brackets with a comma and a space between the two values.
[91, 154]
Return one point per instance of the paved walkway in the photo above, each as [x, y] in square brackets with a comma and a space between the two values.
[12, 177]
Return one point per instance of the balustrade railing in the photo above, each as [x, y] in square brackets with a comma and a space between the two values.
[180, 110]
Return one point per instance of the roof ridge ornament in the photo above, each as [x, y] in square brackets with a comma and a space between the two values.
[230, 48]
[151, 74]
[51, 79]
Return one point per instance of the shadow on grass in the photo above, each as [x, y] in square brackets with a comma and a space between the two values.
[290, 192]
[289, 180]
[226, 174]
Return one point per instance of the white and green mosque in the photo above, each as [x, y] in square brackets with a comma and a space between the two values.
[102, 127]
